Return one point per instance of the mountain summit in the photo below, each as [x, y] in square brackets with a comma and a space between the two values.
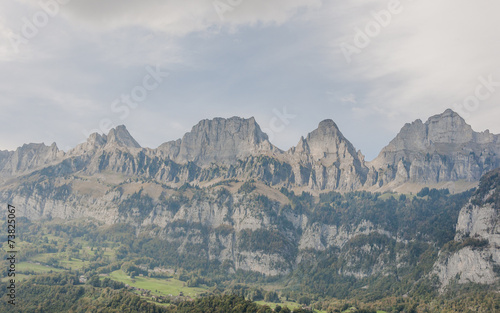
[325, 159]
[444, 148]
[27, 158]
[323, 142]
[120, 136]
[219, 140]
[117, 138]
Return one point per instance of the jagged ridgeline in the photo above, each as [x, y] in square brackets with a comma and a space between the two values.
[444, 151]
[224, 200]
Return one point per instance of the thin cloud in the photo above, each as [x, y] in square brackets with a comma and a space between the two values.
[260, 55]
[180, 20]
[350, 98]
[428, 57]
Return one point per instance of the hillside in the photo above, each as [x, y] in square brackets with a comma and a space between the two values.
[223, 205]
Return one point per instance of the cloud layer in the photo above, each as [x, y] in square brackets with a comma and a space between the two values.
[246, 58]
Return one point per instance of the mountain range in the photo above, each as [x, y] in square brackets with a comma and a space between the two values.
[224, 195]
[442, 152]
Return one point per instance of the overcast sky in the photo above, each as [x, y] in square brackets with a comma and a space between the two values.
[369, 65]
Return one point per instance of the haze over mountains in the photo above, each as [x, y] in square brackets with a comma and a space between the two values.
[443, 151]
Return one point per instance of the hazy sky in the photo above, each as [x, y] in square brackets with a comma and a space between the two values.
[369, 65]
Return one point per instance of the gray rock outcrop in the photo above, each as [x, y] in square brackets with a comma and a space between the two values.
[325, 159]
[445, 148]
[219, 141]
[476, 257]
[27, 158]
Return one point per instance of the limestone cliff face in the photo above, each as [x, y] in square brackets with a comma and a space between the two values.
[28, 157]
[478, 235]
[225, 217]
[444, 148]
[217, 223]
[325, 159]
[4, 157]
[219, 141]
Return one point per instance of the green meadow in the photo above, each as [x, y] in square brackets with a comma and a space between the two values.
[164, 287]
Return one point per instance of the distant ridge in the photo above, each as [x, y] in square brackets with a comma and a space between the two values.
[440, 151]
[443, 149]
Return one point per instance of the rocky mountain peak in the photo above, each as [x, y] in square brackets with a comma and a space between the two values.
[215, 129]
[328, 124]
[219, 140]
[326, 159]
[325, 142]
[28, 157]
[448, 127]
[444, 148]
[302, 146]
[121, 137]
[36, 150]
[117, 137]
[97, 140]
[445, 128]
